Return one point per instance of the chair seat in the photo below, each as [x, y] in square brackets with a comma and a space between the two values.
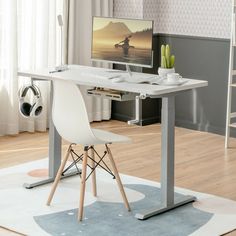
[109, 137]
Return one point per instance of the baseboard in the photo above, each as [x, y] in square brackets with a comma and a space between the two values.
[143, 122]
[206, 128]
[120, 117]
[150, 121]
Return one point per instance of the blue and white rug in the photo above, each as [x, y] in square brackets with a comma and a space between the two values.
[25, 210]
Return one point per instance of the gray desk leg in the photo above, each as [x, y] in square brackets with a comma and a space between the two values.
[54, 154]
[54, 150]
[168, 200]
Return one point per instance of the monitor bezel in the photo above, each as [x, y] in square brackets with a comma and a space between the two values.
[118, 62]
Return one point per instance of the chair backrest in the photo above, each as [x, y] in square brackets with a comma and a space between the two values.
[69, 113]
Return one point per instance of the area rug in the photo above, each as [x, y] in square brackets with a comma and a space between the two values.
[25, 211]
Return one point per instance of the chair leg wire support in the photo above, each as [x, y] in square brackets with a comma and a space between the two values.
[78, 158]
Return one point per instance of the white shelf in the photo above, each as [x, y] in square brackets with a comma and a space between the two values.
[111, 94]
[233, 115]
[233, 125]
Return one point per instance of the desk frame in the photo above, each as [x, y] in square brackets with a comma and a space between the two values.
[168, 200]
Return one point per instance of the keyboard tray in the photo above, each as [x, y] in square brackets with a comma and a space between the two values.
[111, 94]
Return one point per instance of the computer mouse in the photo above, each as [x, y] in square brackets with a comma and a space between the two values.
[117, 80]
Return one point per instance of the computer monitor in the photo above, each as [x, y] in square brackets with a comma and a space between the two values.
[122, 41]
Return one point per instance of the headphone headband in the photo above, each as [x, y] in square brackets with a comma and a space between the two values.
[33, 88]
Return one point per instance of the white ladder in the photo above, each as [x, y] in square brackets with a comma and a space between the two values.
[231, 83]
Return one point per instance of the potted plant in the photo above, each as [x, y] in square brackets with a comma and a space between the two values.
[167, 61]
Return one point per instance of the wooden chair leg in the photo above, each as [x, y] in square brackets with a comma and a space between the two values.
[94, 184]
[58, 176]
[83, 184]
[118, 180]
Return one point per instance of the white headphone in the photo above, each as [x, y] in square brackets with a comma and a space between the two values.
[27, 109]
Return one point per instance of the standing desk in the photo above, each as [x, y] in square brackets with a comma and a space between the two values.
[79, 75]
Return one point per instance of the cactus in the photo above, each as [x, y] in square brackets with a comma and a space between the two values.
[163, 62]
[172, 61]
[163, 50]
[167, 60]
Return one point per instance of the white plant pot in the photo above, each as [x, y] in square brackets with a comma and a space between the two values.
[164, 71]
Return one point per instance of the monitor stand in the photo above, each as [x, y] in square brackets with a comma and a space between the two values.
[137, 77]
[128, 70]
[134, 77]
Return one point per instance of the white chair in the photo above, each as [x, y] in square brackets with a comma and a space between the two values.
[70, 118]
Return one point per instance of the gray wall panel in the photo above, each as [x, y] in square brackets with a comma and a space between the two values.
[207, 59]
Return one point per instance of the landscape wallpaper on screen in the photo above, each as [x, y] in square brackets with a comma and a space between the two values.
[122, 40]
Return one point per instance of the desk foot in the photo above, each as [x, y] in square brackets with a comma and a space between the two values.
[50, 180]
[159, 210]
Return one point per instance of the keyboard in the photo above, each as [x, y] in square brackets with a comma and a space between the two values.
[136, 78]
[102, 74]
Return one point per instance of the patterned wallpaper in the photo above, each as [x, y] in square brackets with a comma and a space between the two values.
[128, 8]
[206, 18]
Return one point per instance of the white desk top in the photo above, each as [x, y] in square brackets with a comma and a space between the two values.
[76, 74]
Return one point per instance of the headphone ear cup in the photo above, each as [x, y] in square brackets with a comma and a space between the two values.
[25, 109]
[36, 108]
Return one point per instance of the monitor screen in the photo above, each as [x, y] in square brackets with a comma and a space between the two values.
[124, 41]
